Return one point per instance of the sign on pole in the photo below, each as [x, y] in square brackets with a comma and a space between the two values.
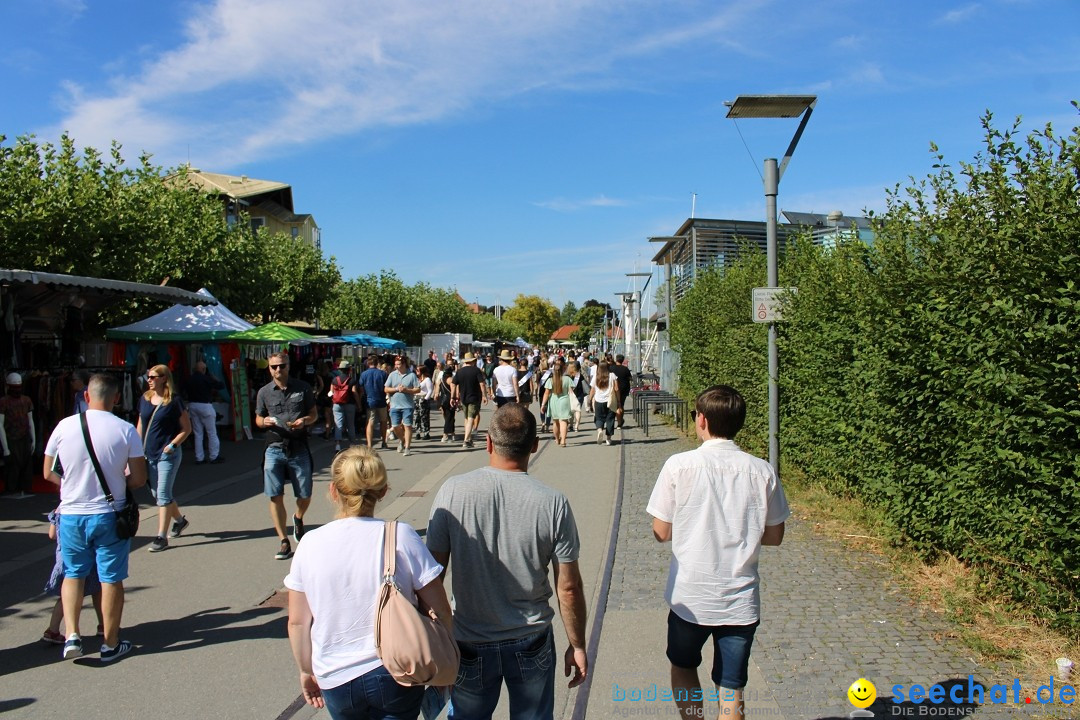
[768, 303]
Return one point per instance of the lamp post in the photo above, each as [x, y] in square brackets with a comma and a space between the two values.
[633, 348]
[774, 106]
[628, 319]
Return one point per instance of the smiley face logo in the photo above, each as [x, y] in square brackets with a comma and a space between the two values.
[862, 693]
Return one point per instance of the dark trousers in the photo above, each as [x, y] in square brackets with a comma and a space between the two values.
[17, 475]
[448, 414]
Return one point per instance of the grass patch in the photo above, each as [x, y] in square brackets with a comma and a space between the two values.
[1001, 636]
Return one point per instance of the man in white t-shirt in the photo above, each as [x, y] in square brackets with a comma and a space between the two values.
[718, 505]
[505, 380]
[87, 531]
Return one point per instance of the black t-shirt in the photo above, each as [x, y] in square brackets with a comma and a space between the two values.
[623, 376]
[468, 380]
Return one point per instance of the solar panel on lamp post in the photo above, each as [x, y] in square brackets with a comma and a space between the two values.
[774, 106]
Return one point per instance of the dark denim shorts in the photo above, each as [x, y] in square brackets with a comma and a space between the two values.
[731, 649]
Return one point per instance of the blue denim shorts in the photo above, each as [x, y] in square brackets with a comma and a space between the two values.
[89, 539]
[279, 467]
[162, 475]
[401, 416]
[731, 649]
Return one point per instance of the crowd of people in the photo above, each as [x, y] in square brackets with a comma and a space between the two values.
[506, 531]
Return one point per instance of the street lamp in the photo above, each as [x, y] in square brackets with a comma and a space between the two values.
[774, 106]
[633, 347]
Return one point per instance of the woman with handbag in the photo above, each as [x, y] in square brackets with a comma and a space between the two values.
[163, 425]
[557, 393]
[604, 397]
[332, 632]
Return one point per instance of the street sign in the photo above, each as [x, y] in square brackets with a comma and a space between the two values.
[768, 303]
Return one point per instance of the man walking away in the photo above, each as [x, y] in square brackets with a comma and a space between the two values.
[373, 381]
[505, 380]
[623, 376]
[284, 407]
[472, 391]
[200, 390]
[717, 505]
[504, 529]
[87, 531]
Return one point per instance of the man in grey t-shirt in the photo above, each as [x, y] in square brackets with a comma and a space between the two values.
[504, 529]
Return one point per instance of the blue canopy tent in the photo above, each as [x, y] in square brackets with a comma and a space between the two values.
[373, 341]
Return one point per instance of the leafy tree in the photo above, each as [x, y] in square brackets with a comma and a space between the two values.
[485, 326]
[569, 312]
[537, 315]
[299, 279]
[91, 214]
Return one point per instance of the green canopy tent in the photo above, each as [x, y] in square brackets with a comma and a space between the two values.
[276, 333]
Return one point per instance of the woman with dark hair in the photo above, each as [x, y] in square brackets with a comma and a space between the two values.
[444, 400]
[525, 379]
[323, 377]
[163, 425]
[603, 388]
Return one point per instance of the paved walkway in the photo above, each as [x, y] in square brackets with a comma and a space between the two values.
[208, 621]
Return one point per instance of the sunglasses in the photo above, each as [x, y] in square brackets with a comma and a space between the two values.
[276, 367]
[154, 377]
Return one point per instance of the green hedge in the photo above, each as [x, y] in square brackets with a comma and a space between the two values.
[935, 374]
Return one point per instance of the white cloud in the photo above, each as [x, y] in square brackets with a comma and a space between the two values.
[960, 14]
[251, 78]
[564, 205]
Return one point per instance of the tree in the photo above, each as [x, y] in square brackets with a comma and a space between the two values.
[300, 280]
[91, 214]
[569, 312]
[485, 326]
[537, 315]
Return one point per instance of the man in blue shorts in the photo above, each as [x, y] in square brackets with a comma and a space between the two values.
[285, 407]
[373, 380]
[718, 505]
[400, 387]
[87, 532]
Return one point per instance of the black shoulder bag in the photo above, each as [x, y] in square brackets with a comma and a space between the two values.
[127, 520]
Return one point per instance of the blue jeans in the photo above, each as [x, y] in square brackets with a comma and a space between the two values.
[163, 475]
[526, 665]
[345, 418]
[375, 694]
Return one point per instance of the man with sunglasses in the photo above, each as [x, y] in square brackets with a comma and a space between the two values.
[285, 407]
[717, 505]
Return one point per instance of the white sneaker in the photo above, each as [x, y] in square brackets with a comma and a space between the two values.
[406, 452]
[337, 447]
[401, 448]
[607, 441]
[600, 436]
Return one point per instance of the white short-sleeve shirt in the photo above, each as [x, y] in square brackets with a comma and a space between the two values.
[339, 568]
[115, 442]
[718, 500]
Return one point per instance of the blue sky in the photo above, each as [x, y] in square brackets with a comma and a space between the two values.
[502, 147]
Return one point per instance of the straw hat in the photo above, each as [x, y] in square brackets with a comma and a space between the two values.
[343, 364]
[505, 355]
[469, 357]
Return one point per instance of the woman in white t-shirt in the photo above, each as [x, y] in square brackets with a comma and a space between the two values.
[333, 597]
[602, 389]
